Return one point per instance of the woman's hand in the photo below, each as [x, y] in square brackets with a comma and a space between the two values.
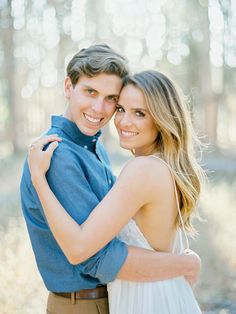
[39, 159]
[195, 260]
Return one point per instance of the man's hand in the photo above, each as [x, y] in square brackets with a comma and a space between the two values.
[194, 262]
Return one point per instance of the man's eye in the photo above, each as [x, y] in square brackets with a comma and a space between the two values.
[91, 91]
[112, 98]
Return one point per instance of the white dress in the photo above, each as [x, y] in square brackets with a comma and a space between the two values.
[173, 296]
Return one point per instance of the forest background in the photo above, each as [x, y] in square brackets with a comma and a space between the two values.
[193, 41]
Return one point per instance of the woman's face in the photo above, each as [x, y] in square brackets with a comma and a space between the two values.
[135, 126]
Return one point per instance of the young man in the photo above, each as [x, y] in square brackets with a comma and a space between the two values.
[80, 177]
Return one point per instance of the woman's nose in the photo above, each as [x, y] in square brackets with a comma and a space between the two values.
[125, 120]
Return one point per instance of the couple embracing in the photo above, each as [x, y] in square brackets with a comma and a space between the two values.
[114, 246]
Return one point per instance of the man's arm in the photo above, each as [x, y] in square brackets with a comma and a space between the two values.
[147, 265]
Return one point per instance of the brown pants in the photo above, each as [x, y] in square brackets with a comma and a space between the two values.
[60, 305]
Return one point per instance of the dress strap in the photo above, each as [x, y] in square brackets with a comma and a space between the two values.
[177, 199]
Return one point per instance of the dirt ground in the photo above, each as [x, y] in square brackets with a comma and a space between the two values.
[21, 287]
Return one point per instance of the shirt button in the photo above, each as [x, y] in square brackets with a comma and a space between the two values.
[94, 140]
[109, 181]
[85, 146]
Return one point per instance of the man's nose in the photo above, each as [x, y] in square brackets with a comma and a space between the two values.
[98, 104]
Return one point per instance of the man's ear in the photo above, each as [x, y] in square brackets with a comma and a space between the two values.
[67, 87]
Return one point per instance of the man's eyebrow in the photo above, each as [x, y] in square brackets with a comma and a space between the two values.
[117, 95]
[89, 87]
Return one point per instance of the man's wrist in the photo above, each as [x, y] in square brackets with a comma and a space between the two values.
[192, 264]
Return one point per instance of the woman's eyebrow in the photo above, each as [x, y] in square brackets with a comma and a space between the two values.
[141, 109]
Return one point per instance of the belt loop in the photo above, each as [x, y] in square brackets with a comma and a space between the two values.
[73, 298]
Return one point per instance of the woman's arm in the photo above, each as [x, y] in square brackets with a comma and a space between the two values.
[112, 213]
[126, 197]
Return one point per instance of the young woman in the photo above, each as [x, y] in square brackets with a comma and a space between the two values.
[161, 186]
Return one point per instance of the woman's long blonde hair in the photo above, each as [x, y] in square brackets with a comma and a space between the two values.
[176, 137]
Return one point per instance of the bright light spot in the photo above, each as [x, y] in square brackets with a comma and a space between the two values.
[33, 79]
[228, 40]
[197, 35]
[216, 18]
[17, 8]
[174, 57]
[119, 25]
[18, 12]
[111, 6]
[50, 28]
[91, 29]
[133, 48]
[231, 59]
[154, 6]
[216, 27]
[85, 43]
[33, 55]
[103, 32]
[33, 27]
[133, 9]
[39, 4]
[148, 62]
[155, 38]
[69, 57]
[216, 46]
[66, 24]
[49, 74]
[142, 26]
[49, 13]
[183, 50]
[78, 20]
[217, 79]
[216, 59]
[19, 52]
[19, 23]
[26, 91]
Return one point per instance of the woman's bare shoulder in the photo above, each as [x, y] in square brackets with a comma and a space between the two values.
[147, 169]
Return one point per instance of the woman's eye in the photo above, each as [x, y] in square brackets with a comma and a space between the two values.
[139, 114]
[119, 109]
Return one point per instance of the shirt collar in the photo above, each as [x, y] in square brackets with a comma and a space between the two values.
[71, 130]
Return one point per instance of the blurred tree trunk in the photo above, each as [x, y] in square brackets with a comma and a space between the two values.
[208, 98]
[9, 74]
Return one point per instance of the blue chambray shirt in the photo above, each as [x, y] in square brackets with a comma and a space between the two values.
[80, 176]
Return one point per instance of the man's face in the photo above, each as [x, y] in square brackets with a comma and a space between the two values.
[92, 101]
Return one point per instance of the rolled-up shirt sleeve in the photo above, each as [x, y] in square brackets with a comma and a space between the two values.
[107, 262]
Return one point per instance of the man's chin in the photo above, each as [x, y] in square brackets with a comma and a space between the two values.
[89, 131]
